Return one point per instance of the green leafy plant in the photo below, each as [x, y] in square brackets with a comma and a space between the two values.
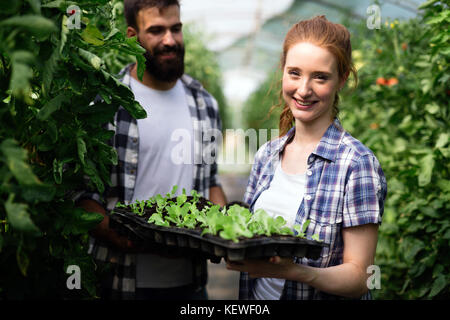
[58, 87]
[405, 122]
[52, 138]
[230, 223]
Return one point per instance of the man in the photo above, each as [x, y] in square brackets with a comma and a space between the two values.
[177, 106]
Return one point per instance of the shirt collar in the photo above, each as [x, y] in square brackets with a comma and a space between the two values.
[327, 147]
[329, 144]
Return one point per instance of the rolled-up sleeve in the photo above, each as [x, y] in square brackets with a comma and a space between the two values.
[365, 193]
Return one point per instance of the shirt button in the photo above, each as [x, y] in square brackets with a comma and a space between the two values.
[309, 173]
[308, 197]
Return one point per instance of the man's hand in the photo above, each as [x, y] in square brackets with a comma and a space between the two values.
[103, 232]
[217, 196]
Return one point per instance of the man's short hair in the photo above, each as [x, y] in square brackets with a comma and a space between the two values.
[132, 7]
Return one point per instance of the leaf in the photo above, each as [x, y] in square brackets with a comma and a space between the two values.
[15, 160]
[438, 285]
[50, 67]
[158, 220]
[35, 5]
[35, 24]
[426, 169]
[427, 4]
[91, 170]
[305, 225]
[447, 234]
[92, 35]
[61, 4]
[432, 108]
[19, 218]
[93, 59]
[413, 249]
[181, 199]
[141, 65]
[81, 147]
[138, 52]
[23, 261]
[443, 140]
[173, 191]
[112, 33]
[79, 221]
[86, 221]
[38, 193]
[52, 131]
[57, 171]
[22, 72]
[51, 106]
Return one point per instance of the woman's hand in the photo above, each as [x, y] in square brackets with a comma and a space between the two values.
[274, 267]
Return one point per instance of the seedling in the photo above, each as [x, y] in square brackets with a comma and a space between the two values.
[229, 223]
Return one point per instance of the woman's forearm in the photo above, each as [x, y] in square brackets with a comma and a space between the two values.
[348, 279]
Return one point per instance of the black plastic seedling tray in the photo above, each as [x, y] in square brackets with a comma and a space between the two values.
[174, 240]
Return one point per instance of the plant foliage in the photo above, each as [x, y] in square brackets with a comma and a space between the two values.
[405, 121]
[52, 137]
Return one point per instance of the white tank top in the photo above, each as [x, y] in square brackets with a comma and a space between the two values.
[283, 198]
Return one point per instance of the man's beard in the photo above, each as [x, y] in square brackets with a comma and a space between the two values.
[168, 70]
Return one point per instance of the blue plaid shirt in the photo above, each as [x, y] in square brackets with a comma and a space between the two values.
[345, 187]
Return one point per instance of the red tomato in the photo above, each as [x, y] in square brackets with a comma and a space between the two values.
[381, 81]
[392, 81]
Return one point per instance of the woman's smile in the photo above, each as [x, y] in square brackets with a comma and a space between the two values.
[304, 105]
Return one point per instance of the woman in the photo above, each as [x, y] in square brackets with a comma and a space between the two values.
[316, 171]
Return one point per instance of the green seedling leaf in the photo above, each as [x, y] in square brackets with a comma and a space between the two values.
[172, 193]
[195, 196]
[301, 230]
[158, 220]
[120, 205]
[160, 201]
[181, 199]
